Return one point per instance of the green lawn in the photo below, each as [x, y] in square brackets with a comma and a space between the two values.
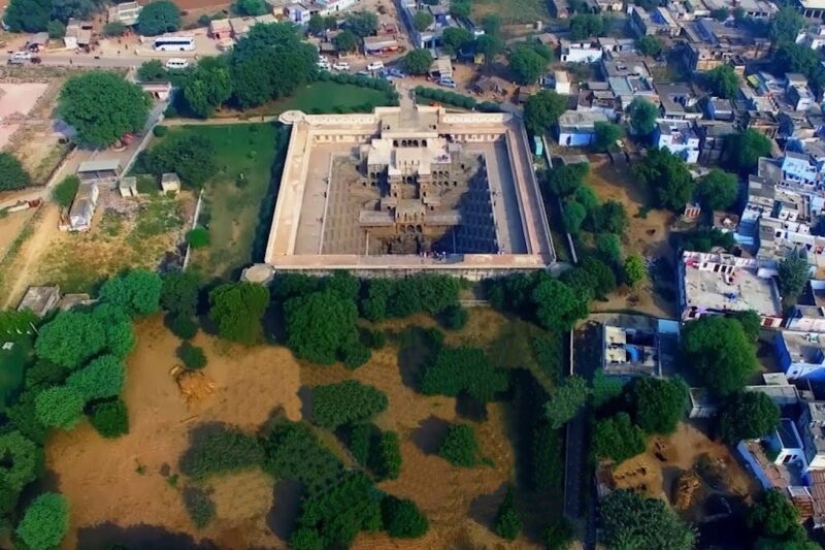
[325, 97]
[239, 199]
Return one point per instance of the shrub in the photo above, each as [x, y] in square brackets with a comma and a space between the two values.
[103, 377]
[355, 354]
[59, 407]
[183, 326]
[360, 438]
[198, 237]
[454, 317]
[45, 522]
[192, 356]
[508, 522]
[460, 447]
[402, 518]
[199, 506]
[546, 458]
[306, 539]
[349, 401]
[160, 130]
[386, 459]
[559, 536]
[110, 418]
[228, 450]
[458, 370]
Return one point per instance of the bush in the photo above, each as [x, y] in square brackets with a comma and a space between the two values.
[59, 407]
[103, 377]
[198, 237]
[508, 522]
[183, 326]
[402, 518]
[45, 522]
[355, 355]
[350, 401]
[559, 536]
[460, 370]
[160, 130]
[454, 317]
[110, 418]
[225, 451]
[386, 458]
[192, 356]
[546, 458]
[460, 447]
[360, 438]
[488, 107]
[199, 506]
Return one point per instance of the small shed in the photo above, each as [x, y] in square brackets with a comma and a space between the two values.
[158, 90]
[220, 29]
[128, 187]
[442, 67]
[380, 44]
[170, 183]
[98, 170]
[37, 42]
[40, 300]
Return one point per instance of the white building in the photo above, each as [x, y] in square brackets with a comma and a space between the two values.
[679, 138]
[580, 52]
[83, 207]
[814, 39]
[577, 128]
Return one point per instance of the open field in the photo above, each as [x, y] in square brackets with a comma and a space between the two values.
[124, 233]
[125, 490]
[10, 227]
[513, 12]
[124, 481]
[648, 235]
[240, 199]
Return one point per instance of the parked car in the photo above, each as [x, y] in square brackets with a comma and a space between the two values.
[20, 56]
[175, 64]
[396, 73]
[324, 65]
[447, 82]
[375, 66]
[340, 66]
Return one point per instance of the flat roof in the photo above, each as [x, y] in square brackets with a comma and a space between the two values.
[105, 165]
[804, 347]
[745, 290]
[37, 299]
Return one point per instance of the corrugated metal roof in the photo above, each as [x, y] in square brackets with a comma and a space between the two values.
[105, 165]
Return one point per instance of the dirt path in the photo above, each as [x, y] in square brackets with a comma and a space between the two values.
[24, 265]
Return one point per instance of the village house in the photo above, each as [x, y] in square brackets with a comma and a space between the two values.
[577, 128]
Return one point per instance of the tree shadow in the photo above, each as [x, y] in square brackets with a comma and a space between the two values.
[199, 434]
[286, 505]
[470, 408]
[107, 535]
[429, 434]
[305, 395]
[417, 347]
[484, 508]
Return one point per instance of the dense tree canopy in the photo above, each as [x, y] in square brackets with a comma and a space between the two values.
[717, 190]
[649, 45]
[455, 38]
[607, 134]
[723, 82]
[179, 292]
[744, 149]
[747, 415]
[645, 523]
[320, 325]
[489, 46]
[634, 269]
[785, 25]
[458, 370]
[773, 515]
[585, 25]
[27, 15]
[345, 41]
[158, 17]
[430, 294]
[152, 71]
[251, 8]
[12, 174]
[71, 339]
[668, 178]
[362, 23]
[567, 401]
[110, 418]
[567, 178]
[417, 62]
[208, 86]
[643, 115]
[558, 306]
[103, 107]
[103, 377]
[527, 66]
[237, 309]
[22, 461]
[59, 407]
[190, 156]
[508, 522]
[794, 273]
[136, 292]
[45, 522]
[422, 20]
[617, 438]
[349, 401]
[402, 518]
[720, 353]
[658, 404]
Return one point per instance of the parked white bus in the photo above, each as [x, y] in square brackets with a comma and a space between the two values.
[174, 44]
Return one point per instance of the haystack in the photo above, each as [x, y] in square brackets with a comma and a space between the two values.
[193, 385]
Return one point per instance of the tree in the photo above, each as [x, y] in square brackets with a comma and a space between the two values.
[617, 438]
[114, 28]
[744, 149]
[720, 353]
[103, 377]
[362, 23]
[566, 402]
[668, 178]
[774, 515]
[12, 174]
[305, 538]
[455, 38]
[463, 370]
[585, 25]
[785, 26]
[137, 292]
[316, 24]
[56, 29]
[179, 293]
[345, 41]
[251, 8]
[649, 45]
[45, 522]
[573, 216]
[193, 357]
[237, 309]
[461, 8]
[567, 179]
[751, 323]
[151, 71]
[717, 190]
[607, 135]
[386, 461]
[559, 536]
[611, 217]
[723, 81]
[110, 418]
[182, 326]
[417, 62]
[526, 66]
[658, 405]
[508, 522]
[190, 156]
[542, 110]
[198, 237]
[103, 107]
[349, 401]
[794, 273]
[28, 15]
[491, 23]
[319, 325]
[158, 17]
[422, 20]
[630, 520]
[22, 461]
[199, 506]
[558, 306]
[209, 86]
[71, 339]
[747, 415]
[59, 407]
[460, 447]
[643, 115]
[455, 317]
[220, 451]
[634, 269]
[602, 280]
[403, 519]
[63, 193]
[488, 46]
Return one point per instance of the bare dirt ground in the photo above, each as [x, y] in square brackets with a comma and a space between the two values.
[10, 227]
[121, 481]
[647, 235]
[657, 472]
[15, 272]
